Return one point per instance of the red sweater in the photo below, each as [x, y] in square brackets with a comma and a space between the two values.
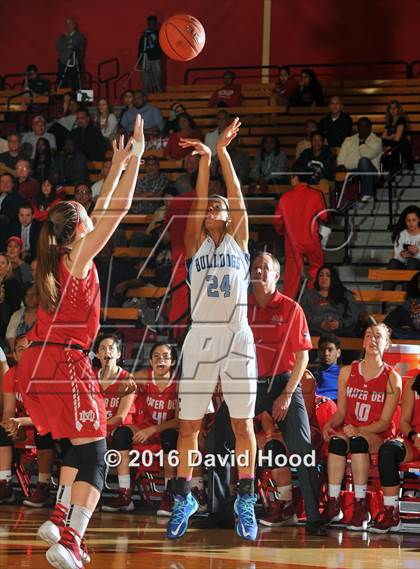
[230, 96]
[172, 148]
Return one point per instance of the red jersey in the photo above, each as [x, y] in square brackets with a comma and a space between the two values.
[365, 400]
[76, 318]
[10, 385]
[112, 398]
[230, 96]
[154, 406]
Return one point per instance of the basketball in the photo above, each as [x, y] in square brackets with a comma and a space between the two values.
[182, 37]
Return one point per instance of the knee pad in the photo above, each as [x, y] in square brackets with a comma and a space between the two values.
[122, 438]
[44, 442]
[91, 463]
[5, 440]
[337, 445]
[168, 440]
[358, 445]
[277, 449]
[390, 455]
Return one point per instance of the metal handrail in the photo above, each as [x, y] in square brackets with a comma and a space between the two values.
[83, 74]
[120, 78]
[16, 95]
[105, 80]
[230, 67]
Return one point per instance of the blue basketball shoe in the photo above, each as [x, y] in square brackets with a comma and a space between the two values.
[182, 510]
[246, 526]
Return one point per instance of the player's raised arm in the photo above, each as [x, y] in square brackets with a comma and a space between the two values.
[194, 232]
[237, 209]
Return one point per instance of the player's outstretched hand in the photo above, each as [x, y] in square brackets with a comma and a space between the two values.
[138, 141]
[228, 134]
[121, 153]
[199, 147]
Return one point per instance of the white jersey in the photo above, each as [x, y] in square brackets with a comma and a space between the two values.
[219, 280]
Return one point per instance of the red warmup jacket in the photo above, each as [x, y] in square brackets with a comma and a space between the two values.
[296, 211]
[230, 96]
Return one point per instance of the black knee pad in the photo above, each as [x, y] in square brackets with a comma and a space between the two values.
[277, 449]
[44, 442]
[337, 445]
[5, 440]
[168, 440]
[390, 455]
[91, 463]
[122, 438]
[358, 445]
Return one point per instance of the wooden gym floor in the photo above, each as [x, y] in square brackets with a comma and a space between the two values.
[139, 541]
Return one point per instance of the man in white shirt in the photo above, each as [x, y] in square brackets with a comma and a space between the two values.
[222, 120]
[38, 131]
[361, 153]
[97, 186]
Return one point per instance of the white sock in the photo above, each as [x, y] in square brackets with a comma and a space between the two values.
[64, 495]
[124, 481]
[285, 493]
[78, 519]
[6, 475]
[197, 482]
[360, 491]
[334, 490]
[391, 501]
[44, 478]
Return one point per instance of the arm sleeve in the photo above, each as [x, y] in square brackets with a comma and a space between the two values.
[371, 150]
[112, 126]
[398, 247]
[341, 158]
[351, 315]
[2, 356]
[13, 324]
[300, 338]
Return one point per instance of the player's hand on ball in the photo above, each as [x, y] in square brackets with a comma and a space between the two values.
[199, 147]
[228, 134]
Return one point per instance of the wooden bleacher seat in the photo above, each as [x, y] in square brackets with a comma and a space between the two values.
[131, 313]
[356, 343]
[147, 292]
[373, 295]
[132, 252]
[390, 275]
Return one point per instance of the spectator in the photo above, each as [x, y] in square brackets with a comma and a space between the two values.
[70, 47]
[186, 182]
[106, 120]
[395, 137]
[46, 199]
[186, 129]
[97, 186]
[318, 159]
[309, 92]
[285, 89]
[29, 139]
[69, 120]
[217, 186]
[270, 162]
[21, 270]
[42, 162]
[35, 83]
[329, 306]
[326, 375]
[28, 229]
[23, 319]
[88, 138]
[404, 320]
[150, 186]
[11, 294]
[222, 121]
[128, 102]
[10, 200]
[309, 127]
[240, 161]
[3, 145]
[153, 120]
[70, 165]
[149, 55]
[172, 123]
[361, 153]
[83, 195]
[230, 95]
[297, 217]
[337, 125]
[14, 153]
[27, 187]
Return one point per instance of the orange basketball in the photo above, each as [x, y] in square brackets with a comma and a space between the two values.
[182, 37]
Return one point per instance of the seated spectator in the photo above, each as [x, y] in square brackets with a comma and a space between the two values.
[149, 188]
[217, 186]
[29, 139]
[361, 153]
[23, 319]
[395, 137]
[46, 199]
[326, 375]
[3, 145]
[309, 127]
[318, 159]
[70, 165]
[69, 120]
[152, 117]
[186, 129]
[309, 92]
[106, 120]
[330, 306]
[83, 195]
[230, 95]
[404, 320]
[21, 269]
[10, 200]
[27, 187]
[97, 186]
[172, 123]
[14, 153]
[240, 161]
[88, 138]
[186, 182]
[285, 89]
[28, 229]
[35, 83]
[11, 295]
[128, 103]
[41, 164]
[222, 121]
[270, 162]
[337, 125]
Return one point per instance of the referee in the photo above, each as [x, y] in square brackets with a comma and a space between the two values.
[282, 342]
